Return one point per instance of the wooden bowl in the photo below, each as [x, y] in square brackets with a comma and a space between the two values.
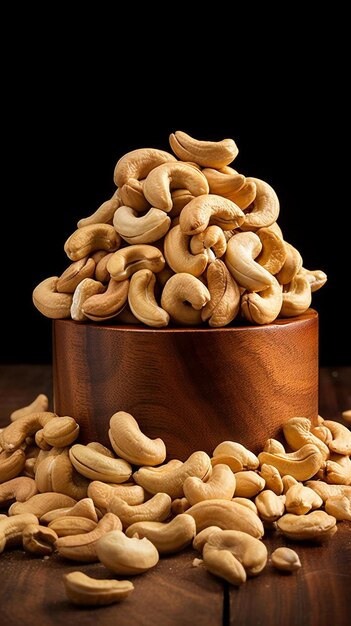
[192, 387]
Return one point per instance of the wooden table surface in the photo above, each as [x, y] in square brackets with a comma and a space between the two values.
[176, 593]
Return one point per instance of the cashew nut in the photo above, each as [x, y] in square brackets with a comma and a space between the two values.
[19, 489]
[224, 304]
[38, 540]
[273, 254]
[326, 491]
[297, 432]
[83, 508]
[161, 180]
[300, 500]
[274, 446]
[11, 464]
[302, 464]
[83, 547]
[88, 239]
[156, 509]
[49, 301]
[288, 481]
[221, 484]
[101, 493]
[263, 307]
[142, 300]
[178, 256]
[107, 305]
[84, 590]
[104, 214]
[242, 249]
[74, 274]
[316, 278]
[126, 555]
[339, 506]
[297, 297]
[40, 404]
[183, 297]
[270, 506]
[56, 473]
[245, 196]
[273, 479]
[13, 436]
[101, 272]
[86, 289]
[131, 444]
[223, 181]
[145, 229]
[226, 514]
[248, 484]
[97, 466]
[41, 503]
[248, 460]
[265, 206]
[341, 443]
[11, 529]
[285, 560]
[171, 479]
[138, 163]
[60, 431]
[211, 242]
[234, 555]
[337, 470]
[169, 537]
[202, 537]
[68, 525]
[132, 195]
[315, 526]
[292, 265]
[127, 261]
[227, 459]
[208, 209]
[215, 154]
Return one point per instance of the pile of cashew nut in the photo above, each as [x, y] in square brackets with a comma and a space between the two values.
[125, 507]
[183, 241]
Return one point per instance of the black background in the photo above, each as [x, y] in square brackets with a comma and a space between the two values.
[73, 106]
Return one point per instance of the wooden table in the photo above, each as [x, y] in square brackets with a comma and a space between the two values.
[175, 593]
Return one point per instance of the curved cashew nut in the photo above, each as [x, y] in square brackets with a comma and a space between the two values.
[242, 249]
[83, 508]
[83, 547]
[11, 529]
[205, 153]
[101, 493]
[138, 163]
[302, 464]
[56, 473]
[145, 229]
[74, 274]
[168, 538]
[86, 288]
[326, 491]
[49, 302]
[247, 458]
[202, 537]
[38, 540]
[16, 433]
[245, 196]
[211, 242]
[142, 301]
[131, 444]
[263, 307]
[265, 207]
[292, 265]
[171, 477]
[300, 500]
[164, 178]
[19, 489]
[316, 278]
[341, 443]
[72, 525]
[104, 214]
[227, 459]
[233, 555]
[101, 272]
[183, 297]
[126, 555]
[11, 464]
[178, 256]
[132, 195]
[156, 509]
[210, 209]
[84, 590]
[88, 239]
[316, 526]
[298, 297]
[60, 431]
[107, 305]
[221, 484]
[41, 503]
[129, 260]
[180, 197]
[40, 404]
[97, 466]
[225, 296]
[226, 514]
[297, 432]
[223, 181]
[273, 254]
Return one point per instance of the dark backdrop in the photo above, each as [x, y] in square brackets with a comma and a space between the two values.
[67, 122]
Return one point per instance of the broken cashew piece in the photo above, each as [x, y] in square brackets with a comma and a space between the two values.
[86, 591]
[142, 301]
[300, 500]
[131, 444]
[242, 249]
[285, 560]
[209, 209]
[183, 297]
[214, 154]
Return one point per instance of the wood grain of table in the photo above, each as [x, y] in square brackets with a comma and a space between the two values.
[176, 593]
